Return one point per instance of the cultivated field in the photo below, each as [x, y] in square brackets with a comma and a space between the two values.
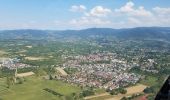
[96, 96]
[25, 74]
[35, 58]
[136, 89]
[130, 90]
[29, 46]
[2, 52]
[62, 71]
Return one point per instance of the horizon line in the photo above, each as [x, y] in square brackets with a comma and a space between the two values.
[83, 28]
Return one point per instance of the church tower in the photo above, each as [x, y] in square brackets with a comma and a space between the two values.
[15, 77]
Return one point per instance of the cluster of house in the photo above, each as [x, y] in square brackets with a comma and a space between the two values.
[13, 63]
[103, 70]
[122, 80]
[148, 66]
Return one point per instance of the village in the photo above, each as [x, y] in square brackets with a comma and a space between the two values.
[13, 63]
[101, 70]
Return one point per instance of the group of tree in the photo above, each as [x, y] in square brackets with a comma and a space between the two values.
[10, 81]
[87, 93]
[117, 91]
[70, 70]
[148, 90]
[21, 80]
[131, 97]
[6, 72]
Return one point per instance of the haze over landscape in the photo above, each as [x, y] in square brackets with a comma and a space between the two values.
[84, 49]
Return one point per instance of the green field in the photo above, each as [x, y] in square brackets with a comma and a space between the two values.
[32, 89]
[149, 80]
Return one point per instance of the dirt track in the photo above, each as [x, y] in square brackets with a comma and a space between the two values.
[94, 96]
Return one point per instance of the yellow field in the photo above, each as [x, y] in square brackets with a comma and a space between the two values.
[136, 89]
[61, 71]
[3, 52]
[130, 90]
[101, 97]
[29, 46]
[35, 58]
[25, 74]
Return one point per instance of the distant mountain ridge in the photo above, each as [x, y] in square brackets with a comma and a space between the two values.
[126, 33]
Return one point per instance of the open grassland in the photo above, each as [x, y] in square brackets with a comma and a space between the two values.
[149, 80]
[32, 89]
[100, 91]
[3, 88]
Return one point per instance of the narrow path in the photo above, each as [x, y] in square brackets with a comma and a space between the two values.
[98, 95]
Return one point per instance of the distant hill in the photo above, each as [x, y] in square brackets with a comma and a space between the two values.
[128, 33]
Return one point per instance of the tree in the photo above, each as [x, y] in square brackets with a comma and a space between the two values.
[73, 95]
[123, 91]
[20, 80]
[148, 90]
[8, 82]
[80, 95]
[107, 90]
[113, 92]
[124, 98]
[50, 77]
[40, 72]
[68, 98]
[87, 93]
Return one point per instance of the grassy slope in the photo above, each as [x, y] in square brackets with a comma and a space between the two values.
[32, 89]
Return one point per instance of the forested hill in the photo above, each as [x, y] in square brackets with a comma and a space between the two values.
[128, 33]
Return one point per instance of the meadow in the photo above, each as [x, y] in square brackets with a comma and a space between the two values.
[33, 89]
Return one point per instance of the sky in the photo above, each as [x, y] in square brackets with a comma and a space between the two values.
[81, 14]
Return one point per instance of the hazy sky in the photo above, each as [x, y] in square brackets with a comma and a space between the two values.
[78, 14]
